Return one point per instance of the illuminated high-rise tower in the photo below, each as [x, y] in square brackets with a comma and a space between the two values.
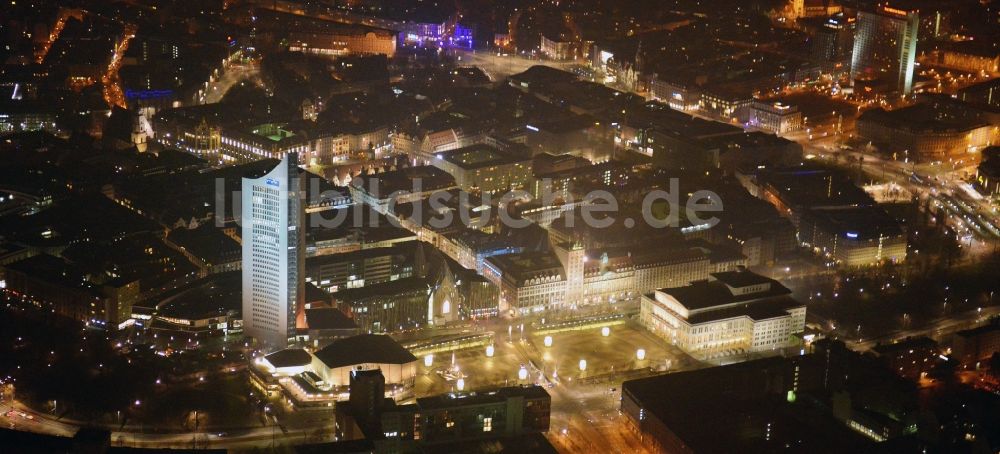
[885, 46]
[273, 253]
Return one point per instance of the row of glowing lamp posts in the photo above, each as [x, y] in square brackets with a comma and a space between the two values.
[522, 373]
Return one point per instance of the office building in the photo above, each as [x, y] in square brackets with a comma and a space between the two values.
[810, 403]
[975, 346]
[834, 40]
[557, 47]
[52, 283]
[831, 215]
[912, 357]
[356, 269]
[679, 96]
[273, 253]
[853, 236]
[986, 93]
[724, 102]
[504, 412]
[436, 423]
[27, 116]
[885, 47]
[775, 117]
[410, 184]
[529, 282]
[389, 306]
[482, 168]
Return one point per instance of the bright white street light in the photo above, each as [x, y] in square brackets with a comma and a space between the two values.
[428, 360]
[640, 354]
[547, 341]
[583, 365]
[606, 331]
[522, 373]
[460, 384]
[490, 350]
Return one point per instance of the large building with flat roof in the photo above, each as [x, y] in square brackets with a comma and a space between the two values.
[389, 306]
[807, 403]
[481, 420]
[831, 215]
[854, 236]
[308, 34]
[775, 117]
[977, 344]
[64, 288]
[335, 272]
[409, 184]
[486, 169]
[732, 313]
[936, 130]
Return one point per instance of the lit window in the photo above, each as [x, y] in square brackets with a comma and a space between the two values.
[487, 424]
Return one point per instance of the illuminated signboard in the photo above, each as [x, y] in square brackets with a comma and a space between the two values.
[895, 11]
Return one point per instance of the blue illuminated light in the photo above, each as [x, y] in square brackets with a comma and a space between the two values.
[148, 94]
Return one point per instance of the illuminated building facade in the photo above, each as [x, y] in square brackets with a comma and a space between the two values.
[775, 117]
[885, 46]
[678, 96]
[558, 49]
[733, 313]
[273, 253]
[482, 168]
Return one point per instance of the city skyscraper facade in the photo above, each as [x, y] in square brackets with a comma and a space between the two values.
[885, 46]
[273, 253]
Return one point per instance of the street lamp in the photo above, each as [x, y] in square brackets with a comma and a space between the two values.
[606, 331]
[428, 360]
[583, 365]
[522, 373]
[640, 354]
[460, 384]
[547, 341]
[490, 350]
